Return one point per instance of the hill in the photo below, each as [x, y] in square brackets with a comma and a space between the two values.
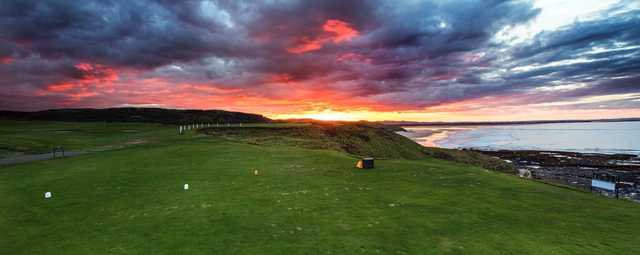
[359, 139]
[153, 115]
[305, 199]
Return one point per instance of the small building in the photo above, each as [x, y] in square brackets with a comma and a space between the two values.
[365, 163]
[604, 181]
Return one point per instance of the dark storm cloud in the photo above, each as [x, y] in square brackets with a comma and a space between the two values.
[125, 33]
[439, 28]
[33, 72]
[599, 56]
[603, 53]
[570, 41]
[408, 53]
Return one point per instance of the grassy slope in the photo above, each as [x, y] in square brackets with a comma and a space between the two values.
[471, 158]
[305, 201]
[357, 139]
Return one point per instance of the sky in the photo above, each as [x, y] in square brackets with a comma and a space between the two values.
[414, 60]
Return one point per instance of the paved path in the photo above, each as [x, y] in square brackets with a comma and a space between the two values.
[36, 157]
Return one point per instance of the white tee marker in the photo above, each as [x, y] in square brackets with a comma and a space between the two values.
[186, 186]
[47, 194]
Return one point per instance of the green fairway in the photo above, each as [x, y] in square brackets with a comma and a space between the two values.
[29, 137]
[305, 200]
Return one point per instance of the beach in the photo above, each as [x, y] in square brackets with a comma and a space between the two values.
[558, 153]
[585, 137]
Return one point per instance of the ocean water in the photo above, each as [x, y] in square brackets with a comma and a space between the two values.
[588, 137]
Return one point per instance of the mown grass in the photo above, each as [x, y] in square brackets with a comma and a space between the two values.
[304, 201]
[32, 137]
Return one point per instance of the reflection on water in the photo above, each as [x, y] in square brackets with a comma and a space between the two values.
[596, 137]
[431, 136]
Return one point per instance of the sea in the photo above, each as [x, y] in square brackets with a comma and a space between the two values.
[585, 137]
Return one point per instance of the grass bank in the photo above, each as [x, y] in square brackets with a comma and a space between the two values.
[305, 200]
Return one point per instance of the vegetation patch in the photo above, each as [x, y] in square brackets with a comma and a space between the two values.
[35, 137]
[471, 158]
[359, 139]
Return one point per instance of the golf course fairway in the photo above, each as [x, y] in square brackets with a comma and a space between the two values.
[279, 198]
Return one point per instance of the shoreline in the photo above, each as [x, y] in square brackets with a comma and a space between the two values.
[574, 169]
[609, 139]
[431, 137]
[502, 123]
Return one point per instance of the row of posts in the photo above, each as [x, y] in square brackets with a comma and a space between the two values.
[183, 128]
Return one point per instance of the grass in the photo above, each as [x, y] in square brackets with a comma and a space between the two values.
[304, 201]
[32, 137]
[359, 139]
[471, 158]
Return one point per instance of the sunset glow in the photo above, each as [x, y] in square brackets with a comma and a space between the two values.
[365, 60]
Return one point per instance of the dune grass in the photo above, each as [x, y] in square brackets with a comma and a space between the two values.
[304, 201]
[359, 139]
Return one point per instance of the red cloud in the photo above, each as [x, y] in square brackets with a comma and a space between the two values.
[93, 80]
[280, 78]
[93, 73]
[336, 31]
[342, 31]
[306, 45]
[6, 60]
[60, 87]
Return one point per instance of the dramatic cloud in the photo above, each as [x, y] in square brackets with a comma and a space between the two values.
[397, 59]
[337, 31]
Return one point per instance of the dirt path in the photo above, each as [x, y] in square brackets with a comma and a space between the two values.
[36, 157]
